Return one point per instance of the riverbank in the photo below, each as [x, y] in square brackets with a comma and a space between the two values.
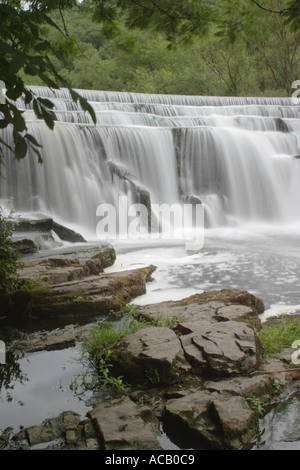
[158, 398]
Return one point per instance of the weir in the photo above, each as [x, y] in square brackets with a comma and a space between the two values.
[237, 156]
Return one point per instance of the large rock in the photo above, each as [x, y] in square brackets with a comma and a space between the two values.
[224, 348]
[46, 225]
[152, 354]
[123, 425]
[225, 422]
[68, 290]
[213, 340]
[216, 306]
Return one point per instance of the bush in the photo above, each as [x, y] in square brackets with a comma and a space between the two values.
[9, 256]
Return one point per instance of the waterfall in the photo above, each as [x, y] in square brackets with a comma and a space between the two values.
[235, 155]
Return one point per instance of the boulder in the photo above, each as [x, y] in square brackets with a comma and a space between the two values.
[152, 354]
[124, 425]
[225, 422]
[25, 246]
[65, 288]
[46, 225]
[225, 348]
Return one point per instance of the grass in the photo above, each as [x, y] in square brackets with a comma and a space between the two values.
[276, 337]
[98, 350]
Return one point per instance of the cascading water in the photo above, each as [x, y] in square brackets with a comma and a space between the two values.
[236, 155]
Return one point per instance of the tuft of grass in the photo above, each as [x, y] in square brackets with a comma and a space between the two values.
[98, 349]
[276, 337]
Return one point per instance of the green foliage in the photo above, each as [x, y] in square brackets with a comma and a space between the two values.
[257, 405]
[280, 335]
[98, 348]
[25, 48]
[9, 257]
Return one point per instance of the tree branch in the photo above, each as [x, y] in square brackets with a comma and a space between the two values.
[278, 12]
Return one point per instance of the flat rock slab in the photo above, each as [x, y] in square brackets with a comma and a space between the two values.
[123, 425]
[215, 306]
[85, 297]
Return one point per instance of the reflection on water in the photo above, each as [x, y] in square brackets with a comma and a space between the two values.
[37, 386]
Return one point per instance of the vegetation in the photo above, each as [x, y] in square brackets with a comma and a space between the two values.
[97, 350]
[277, 336]
[9, 256]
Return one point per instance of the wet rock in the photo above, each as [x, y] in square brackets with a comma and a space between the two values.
[25, 246]
[236, 420]
[67, 234]
[123, 425]
[84, 296]
[191, 414]
[46, 225]
[152, 353]
[217, 423]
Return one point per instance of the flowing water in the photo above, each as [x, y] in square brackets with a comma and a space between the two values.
[238, 157]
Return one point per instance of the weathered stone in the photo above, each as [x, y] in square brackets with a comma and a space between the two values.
[236, 419]
[25, 246]
[86, 297]
[226, 422]
[67, 234]
[191, 414]
[121, 426]
[224, 348]
[257, 385]
[39, 434]
[210, 306]
[151, 352]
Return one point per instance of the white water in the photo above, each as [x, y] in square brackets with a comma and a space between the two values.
[234, 154]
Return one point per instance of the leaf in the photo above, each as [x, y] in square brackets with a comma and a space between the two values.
[20, 149]
[47, 118]
[32, 140]
[19, 122]
[46, 103]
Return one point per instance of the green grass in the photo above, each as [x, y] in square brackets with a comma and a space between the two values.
[98, 349]
[276, 337]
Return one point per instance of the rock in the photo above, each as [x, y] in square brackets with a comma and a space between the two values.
[191, 415]
[257, 385]
[151, 354]
[210, 305]
[218, 423]
[42, 225]
[46, 225]
[225, 348]
[281, 125]
[67, 234]
[84, 296]
[236, 420]
[121, 426]
[25, 246]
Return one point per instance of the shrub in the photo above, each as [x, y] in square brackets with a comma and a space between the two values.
[9, 256]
